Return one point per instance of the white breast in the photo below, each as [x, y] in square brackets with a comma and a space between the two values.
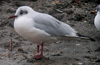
[25, 27]
[97, 21]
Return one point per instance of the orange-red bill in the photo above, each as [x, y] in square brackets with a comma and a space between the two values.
[93, 12]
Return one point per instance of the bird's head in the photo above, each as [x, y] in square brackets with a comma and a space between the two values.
[23, 10]
[98, 8]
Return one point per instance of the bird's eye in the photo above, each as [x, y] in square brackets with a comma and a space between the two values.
[97, 9]
[21, 12]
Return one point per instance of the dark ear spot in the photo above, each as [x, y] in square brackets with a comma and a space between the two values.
[25, 12]
[98, 8]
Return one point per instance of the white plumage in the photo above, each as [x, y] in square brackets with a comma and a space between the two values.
[39, 27]
[97, 18]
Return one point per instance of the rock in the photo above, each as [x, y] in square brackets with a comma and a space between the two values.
[98, 60]
[98, 49]
[78, 17]
[56, 54]
[21, 50]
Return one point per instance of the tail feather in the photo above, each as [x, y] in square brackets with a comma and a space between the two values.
[85, 37]
[79, 36]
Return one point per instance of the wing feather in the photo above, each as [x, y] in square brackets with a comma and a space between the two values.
[52, 26]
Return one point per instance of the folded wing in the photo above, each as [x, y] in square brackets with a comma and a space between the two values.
[53, 26]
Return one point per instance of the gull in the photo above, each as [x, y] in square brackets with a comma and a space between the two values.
[40, 27]
[97, 18]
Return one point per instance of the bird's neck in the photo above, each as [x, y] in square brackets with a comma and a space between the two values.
[98, 13]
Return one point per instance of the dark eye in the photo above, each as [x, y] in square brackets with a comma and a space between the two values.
[98, 8]
[21, 12]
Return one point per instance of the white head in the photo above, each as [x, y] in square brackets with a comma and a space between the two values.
[98, 8]
[23, 10]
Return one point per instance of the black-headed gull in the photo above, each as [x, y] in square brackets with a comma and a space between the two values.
[39, 27]
[97, 18]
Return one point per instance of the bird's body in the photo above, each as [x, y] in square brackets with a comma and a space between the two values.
[97, 18]
[97, 21]
[39, 27]
[24, 26]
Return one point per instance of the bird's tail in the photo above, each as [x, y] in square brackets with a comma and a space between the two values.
[80, 37]
[85, 37]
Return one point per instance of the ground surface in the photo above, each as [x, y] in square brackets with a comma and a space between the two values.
[67, 52]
